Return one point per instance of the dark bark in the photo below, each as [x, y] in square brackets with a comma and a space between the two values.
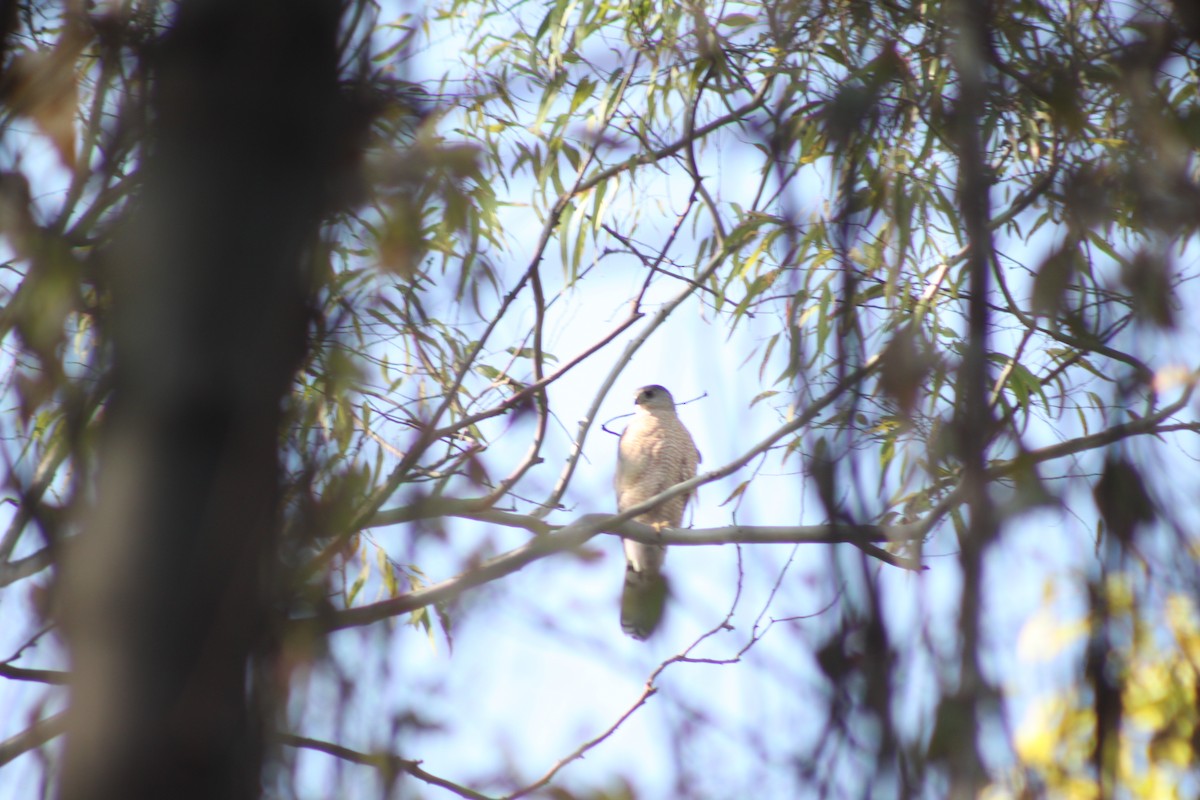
[974, 418]
[167, 593]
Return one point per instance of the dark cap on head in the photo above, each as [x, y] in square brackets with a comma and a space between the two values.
[654, 396]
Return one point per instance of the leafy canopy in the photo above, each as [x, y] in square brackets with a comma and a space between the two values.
[949, 244]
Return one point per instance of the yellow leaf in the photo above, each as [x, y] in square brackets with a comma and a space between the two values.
[1173, 750]
[1181, 617]
[1154, 784]
[1044, 636]
[1147, 698]
[1038, 734]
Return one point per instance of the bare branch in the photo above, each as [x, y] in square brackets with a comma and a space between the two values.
[660, 153]
[387, 763]
[50, 676]
[32, 737]
[771, 534]
[1145, 425]
[12, 571]
[649, 691]
[587, 526]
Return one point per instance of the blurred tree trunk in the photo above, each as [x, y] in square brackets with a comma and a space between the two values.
[167, 593]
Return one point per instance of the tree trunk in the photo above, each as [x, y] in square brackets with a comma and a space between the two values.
[167, 591]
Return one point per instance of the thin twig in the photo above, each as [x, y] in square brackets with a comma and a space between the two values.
[388, 763]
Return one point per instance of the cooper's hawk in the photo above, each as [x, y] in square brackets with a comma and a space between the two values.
[655, 453]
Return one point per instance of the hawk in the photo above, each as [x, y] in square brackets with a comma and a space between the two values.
[655, 453]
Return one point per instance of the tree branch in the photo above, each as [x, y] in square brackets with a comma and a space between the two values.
[1103, 438]
[387, 763]
[13, 571]
[32, 737]
[588, 526]
[51, 676]
[581, 530]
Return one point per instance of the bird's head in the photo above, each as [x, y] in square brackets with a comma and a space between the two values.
[654, 398]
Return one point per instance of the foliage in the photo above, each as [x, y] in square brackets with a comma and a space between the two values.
[951, 244]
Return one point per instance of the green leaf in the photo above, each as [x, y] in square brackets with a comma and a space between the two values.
[738, 20]
[358, 583]
[738, 491]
